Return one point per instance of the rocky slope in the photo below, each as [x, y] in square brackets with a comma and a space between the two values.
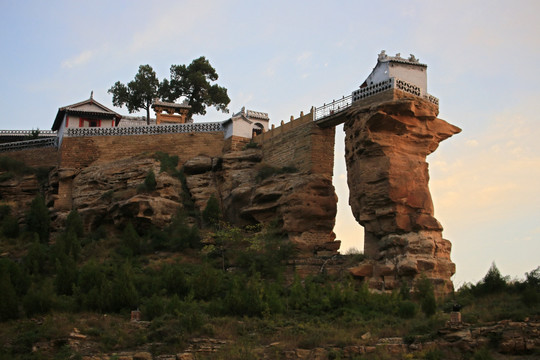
[386, 149]
[302, 204]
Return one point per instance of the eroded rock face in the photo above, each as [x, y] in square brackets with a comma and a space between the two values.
[304, 204]
[386, 149]
[108, 193]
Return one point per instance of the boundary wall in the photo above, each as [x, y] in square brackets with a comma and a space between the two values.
[299, 143]
[80, 152]
[35, 157]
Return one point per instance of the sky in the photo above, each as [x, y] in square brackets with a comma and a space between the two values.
[283, 57]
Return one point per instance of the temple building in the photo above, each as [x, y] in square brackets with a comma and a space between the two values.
[84, 114]
[409, 70]
[171, 113]
[246, 124]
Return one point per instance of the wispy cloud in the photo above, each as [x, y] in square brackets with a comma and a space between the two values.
[78, 60]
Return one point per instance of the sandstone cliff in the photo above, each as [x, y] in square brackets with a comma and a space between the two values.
[303, 205]
[386, 149]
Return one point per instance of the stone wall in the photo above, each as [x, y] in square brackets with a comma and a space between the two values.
[47, 156]
[79, 152]
[301, 144]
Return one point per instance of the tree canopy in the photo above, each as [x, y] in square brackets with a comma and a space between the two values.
[139, 92]
[191, 83]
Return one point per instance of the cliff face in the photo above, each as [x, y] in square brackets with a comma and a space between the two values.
[386, 149]
[302, 204]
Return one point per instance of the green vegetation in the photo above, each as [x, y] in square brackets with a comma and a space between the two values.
[266, 171]
[192, 82]
[11, 168]
[217, 281]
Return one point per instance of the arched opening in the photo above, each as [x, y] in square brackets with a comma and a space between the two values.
[347, 229]
[258, 129]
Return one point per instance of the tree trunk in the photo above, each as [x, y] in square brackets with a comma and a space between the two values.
[147, 115]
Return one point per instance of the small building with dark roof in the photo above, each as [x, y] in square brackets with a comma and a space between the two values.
[246, 124]
[167, 112]
[87, 113]
[407, 69]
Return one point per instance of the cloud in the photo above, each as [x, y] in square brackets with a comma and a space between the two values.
[78, 60]
[304, 57]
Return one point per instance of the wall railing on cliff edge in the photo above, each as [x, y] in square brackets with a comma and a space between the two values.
[17, 133]
[345, 102]
[29, 144]
[146, 130]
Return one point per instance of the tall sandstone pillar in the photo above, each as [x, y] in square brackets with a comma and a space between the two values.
[387, 141]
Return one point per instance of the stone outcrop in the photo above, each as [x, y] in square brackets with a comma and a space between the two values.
[108, 193]
[386, 148]
[18, 192]
[302, 204]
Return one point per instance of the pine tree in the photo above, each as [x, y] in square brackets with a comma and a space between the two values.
[38, 219]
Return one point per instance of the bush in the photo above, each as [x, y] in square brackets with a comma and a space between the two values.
[426, 296]
[38, 300]
[493, 282]
[38, 220]
[265, 171]
[168, 163]
[9, 302]
[407, 309]
[131, 240]
[211, 213]
[74, 223]
[149, 183]
[10, 227]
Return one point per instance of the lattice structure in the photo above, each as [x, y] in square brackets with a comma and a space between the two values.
[368, 91]
[336, 106]
[29, 144]
[42, 133]
[147, 130]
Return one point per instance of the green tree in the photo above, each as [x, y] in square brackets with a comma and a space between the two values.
[131, 239]
[9, 308]
[38, 220]
[74, 223]
[493, 282]
[426, 295]
[66, 275]
[138, 93]
[193, 83]
[211, 213]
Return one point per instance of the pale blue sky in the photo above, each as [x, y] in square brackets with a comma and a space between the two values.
[283, 57]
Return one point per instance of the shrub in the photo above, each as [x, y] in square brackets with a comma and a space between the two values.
[131, 240]
[168, 163]
[426, 296]
[9, 303]
[38, 300]
[74, 223]
[265, 171]
[407, 309]
[10, 227]
[482, 354]
[66, 275]
[149, 183]
[37, 219]
[36, 258]
[211, 213]
[251, 145]
[493, 282]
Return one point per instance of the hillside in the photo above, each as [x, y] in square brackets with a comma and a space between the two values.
[207, 289]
